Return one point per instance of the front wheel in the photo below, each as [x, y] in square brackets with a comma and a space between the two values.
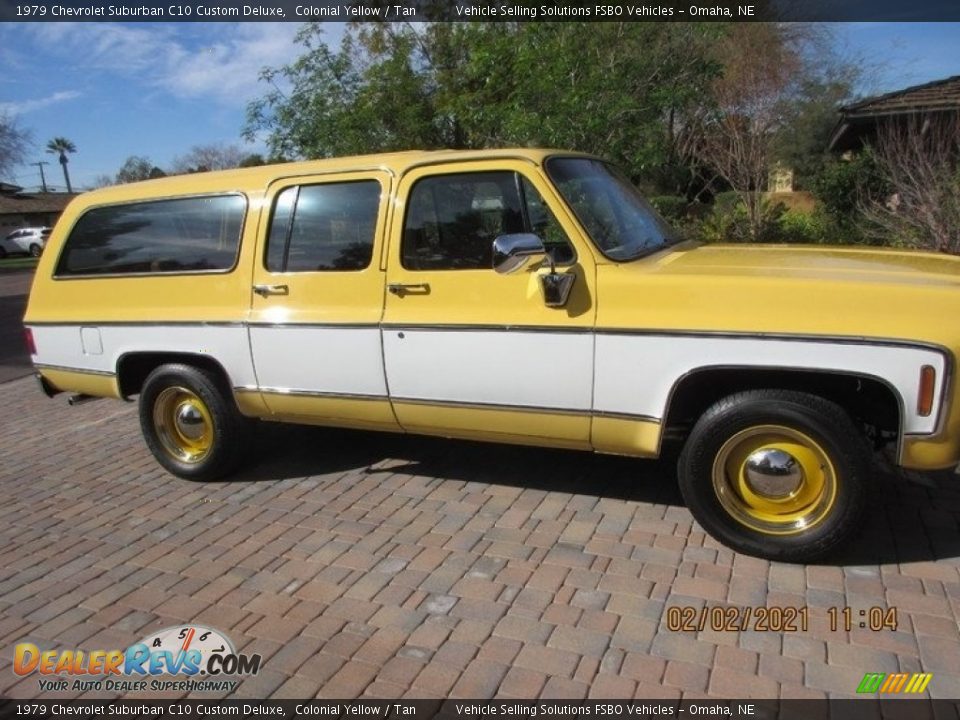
[191, 426]
[777, 474]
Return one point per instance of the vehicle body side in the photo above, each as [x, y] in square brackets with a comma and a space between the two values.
[638, 347]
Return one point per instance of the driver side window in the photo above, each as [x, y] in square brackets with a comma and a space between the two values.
[452, 220]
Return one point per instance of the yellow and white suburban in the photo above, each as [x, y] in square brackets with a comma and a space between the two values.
[523, 296]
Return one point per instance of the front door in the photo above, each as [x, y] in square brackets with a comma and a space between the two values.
[317, 300]
[473, 353]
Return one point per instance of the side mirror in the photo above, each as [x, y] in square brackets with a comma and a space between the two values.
[517, 251]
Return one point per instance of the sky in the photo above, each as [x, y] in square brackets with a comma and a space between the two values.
[158, 89]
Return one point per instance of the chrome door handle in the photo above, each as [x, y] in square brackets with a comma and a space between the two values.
[265, 290]
[404, 288]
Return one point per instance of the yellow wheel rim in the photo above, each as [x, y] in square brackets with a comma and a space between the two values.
[183, 424]
[775, 480]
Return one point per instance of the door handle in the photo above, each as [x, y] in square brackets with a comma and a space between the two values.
[402, 289]
[265, 290]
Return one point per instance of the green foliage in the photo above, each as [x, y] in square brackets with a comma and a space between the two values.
[843, 187]
[605, 88]
[808, 121]
[796, 226]
[672, 208]
[843, 183]
[730, 222]
[252, 160]
[61, 147]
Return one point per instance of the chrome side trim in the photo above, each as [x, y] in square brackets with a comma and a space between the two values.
[65, 368]
[734, 335]
[453, 327]
[313, 326]
[444, 403]
[490, 406]
[138, 323]
[310, 393]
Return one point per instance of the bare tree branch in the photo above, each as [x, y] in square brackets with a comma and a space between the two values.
[919, 156]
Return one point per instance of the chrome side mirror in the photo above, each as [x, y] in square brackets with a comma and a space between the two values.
[517, 251]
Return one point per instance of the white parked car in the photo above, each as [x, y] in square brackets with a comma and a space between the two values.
[25, 241]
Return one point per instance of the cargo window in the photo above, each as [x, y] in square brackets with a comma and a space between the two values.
[325, 227]
[163, 236]
[452, 220]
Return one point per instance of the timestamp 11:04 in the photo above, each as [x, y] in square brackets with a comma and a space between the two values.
[874, 618]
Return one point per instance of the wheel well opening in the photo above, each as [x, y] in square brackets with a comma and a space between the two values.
[133, 369]
[871, 404]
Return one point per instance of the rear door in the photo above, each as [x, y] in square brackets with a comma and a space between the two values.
[317, 300]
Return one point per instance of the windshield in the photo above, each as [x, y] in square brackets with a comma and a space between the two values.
[620, 222]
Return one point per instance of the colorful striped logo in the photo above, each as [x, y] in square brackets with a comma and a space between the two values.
[894, 682]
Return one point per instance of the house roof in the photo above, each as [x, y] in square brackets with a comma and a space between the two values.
[937, 95]
[34, 203]
[858, 121]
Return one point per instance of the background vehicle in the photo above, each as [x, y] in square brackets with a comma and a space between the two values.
[25, 241]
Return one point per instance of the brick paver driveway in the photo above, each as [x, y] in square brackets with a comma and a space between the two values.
[370, 565]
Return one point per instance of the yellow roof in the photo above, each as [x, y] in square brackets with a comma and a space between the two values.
[243, 179]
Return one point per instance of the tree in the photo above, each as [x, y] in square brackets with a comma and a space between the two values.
[101, 181]
[61, 146]
[774, 100]
[136, 168]
[252, 160]
[807, 124]
[736, 129]
[607, 88]
[203, 158]
[13, 143]
[920, 159]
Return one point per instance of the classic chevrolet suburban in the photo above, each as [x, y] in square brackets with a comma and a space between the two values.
[523, 296]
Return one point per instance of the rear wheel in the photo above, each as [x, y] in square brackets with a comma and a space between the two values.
[191, 426]
[776, 474]
[35, 250]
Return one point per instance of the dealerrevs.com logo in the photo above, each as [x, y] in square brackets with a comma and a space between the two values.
[189, 651]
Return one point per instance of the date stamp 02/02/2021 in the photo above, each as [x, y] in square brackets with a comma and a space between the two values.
[689, 618]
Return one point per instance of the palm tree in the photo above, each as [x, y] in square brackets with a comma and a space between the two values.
[61, 146]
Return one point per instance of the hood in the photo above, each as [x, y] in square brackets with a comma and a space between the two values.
[811, 262]
[842, 291]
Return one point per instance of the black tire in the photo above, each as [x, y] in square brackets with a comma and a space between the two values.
[736, 485]
[191, 424]
[3, 253]
[35, 250]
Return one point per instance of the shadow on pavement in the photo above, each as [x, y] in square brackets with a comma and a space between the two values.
[905, 522]
[288, 451]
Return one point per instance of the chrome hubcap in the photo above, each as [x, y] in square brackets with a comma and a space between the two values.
[190, 422]
[773, 473]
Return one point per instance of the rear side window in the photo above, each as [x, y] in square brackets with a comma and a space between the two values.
[163, 236]
[325, 227]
